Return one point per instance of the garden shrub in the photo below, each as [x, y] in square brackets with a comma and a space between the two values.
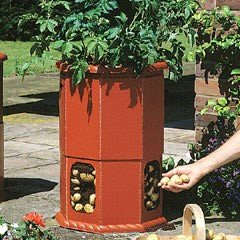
[217, 52]
[218, 192]
[11, 12]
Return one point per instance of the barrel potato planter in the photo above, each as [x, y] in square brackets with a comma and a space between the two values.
[111, 143]
[3, 57]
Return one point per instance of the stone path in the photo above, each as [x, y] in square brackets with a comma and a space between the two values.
[32, 156]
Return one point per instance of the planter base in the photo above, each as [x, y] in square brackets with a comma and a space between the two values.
[94, 228]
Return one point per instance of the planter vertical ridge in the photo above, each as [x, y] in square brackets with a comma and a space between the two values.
[112, 123]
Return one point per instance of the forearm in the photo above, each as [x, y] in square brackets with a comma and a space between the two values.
[227, 153]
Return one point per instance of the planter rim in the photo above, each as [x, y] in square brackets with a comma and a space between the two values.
[3, 57]
[99, 69]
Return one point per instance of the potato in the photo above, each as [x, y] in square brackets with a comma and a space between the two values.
[149, 204]
[223, 235]
[75, 172]
[171, 183]
[190, 238]
[154, 197]
[179, 181]
[174, 178]
[75, 181]
[181, 237]
[151, 168]
[92, 199]
[76, 197]
[220, 236]
[78, 207]
[209, 234]
[185, 178]
[150, 192]
[164, 181]
[153, 236]
[87, 177]
[155, 182]
[88, 208]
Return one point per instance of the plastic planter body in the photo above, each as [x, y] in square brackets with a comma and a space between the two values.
[3, 57]
[111, 128]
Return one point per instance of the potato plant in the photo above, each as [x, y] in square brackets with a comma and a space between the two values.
[115, 33]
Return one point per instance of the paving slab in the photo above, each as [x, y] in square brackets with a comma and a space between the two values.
[30, 161]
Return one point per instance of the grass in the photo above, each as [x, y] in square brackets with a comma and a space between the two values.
[18, 53]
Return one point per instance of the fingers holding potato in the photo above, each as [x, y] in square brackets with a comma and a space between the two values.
[174, 181]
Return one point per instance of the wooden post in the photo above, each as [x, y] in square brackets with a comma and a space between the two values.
[3, 57]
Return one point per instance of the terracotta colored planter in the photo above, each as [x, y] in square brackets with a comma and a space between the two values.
[111, 143]
[3, 57]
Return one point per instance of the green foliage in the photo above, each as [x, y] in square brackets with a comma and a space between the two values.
[221, 105]
[10, 10]
[219, 191]
[218, 39]
[116, 33]
[218, 43]
[169, 163]
[25, 230]
[218, 48]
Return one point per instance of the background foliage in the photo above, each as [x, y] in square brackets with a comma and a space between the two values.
[10, 12]
[219, 191]
[217, 51]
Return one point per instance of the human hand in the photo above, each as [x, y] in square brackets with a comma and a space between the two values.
[194, 171]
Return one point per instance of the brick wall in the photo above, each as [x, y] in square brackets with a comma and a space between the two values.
[233, 4]
[208, 86]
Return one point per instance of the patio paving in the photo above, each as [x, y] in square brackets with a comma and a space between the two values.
[32, 156]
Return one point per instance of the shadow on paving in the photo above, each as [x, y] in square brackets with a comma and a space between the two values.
[174, 204]
[179, 103]
[15, 188]
[212, 220]
[47, 106]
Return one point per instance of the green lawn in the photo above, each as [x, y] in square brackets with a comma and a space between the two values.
[18, 53]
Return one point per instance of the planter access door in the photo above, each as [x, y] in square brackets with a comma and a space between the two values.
[111, 141]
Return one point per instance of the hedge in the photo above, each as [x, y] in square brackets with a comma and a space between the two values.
[10, 11]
